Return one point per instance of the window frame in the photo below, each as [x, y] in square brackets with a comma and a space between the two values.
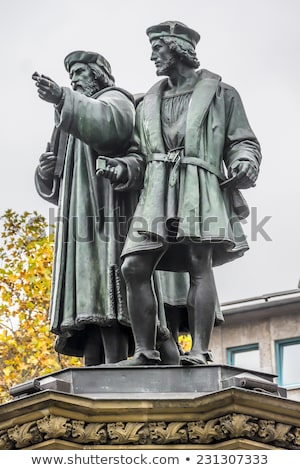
[231, 351]
[279, 346]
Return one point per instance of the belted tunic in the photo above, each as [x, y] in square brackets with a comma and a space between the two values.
[185, 163]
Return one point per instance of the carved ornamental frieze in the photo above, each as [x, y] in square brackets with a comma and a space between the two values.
[224, 428]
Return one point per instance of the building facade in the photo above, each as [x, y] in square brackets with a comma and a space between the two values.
[263, 334]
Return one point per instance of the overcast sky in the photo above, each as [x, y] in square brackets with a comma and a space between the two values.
[254, 45]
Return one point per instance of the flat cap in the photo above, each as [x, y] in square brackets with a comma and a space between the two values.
[87, 57]
[173, 29]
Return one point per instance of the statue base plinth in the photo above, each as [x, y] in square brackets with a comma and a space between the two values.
[147, 381]
[159, 407]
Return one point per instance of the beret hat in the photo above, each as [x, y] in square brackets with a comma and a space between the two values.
[87, 57]
[173, 29]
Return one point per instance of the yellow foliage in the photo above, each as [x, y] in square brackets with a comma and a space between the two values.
[185, 341]
[26, 343]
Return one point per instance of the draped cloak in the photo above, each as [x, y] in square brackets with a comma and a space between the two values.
[87, 287]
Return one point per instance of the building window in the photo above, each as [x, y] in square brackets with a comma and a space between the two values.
[288, 365]
[246, 356]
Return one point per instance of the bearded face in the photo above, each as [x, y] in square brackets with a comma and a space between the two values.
[166, 67]
[163, 58]
[88, 88]
[83, 80]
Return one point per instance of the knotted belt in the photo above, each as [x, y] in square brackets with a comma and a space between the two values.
[175, 157]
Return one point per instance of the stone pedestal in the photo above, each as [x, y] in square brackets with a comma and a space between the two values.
[168, 407]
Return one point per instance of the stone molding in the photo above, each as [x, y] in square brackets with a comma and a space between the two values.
[224, 428]
[232, 418]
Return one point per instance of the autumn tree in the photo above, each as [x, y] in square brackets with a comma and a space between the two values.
[26, 343]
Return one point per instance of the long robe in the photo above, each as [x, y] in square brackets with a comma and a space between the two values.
[91, 222]
[217, 135]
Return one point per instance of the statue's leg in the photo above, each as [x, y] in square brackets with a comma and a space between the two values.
[93, 350]
[115, 342]
[165, 342]
[137, 270]
[201, 301]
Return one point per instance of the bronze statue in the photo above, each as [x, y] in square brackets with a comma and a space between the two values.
[195, 149]
[88, 302]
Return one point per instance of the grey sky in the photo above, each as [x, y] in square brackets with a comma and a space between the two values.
[253, 45]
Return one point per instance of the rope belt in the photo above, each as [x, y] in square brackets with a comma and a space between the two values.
[174, 156]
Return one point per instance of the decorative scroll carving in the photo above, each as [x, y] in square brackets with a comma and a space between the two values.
[270, 431]
[54, 427]
[223, 428]
[5, 442]
[129, 433]
[201, 432]
[238, 425]
[295, 437]
[92, 432]
[24, 435]
[167, 433]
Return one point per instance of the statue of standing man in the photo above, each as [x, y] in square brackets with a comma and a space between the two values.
[88, 301]
[193, 137]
